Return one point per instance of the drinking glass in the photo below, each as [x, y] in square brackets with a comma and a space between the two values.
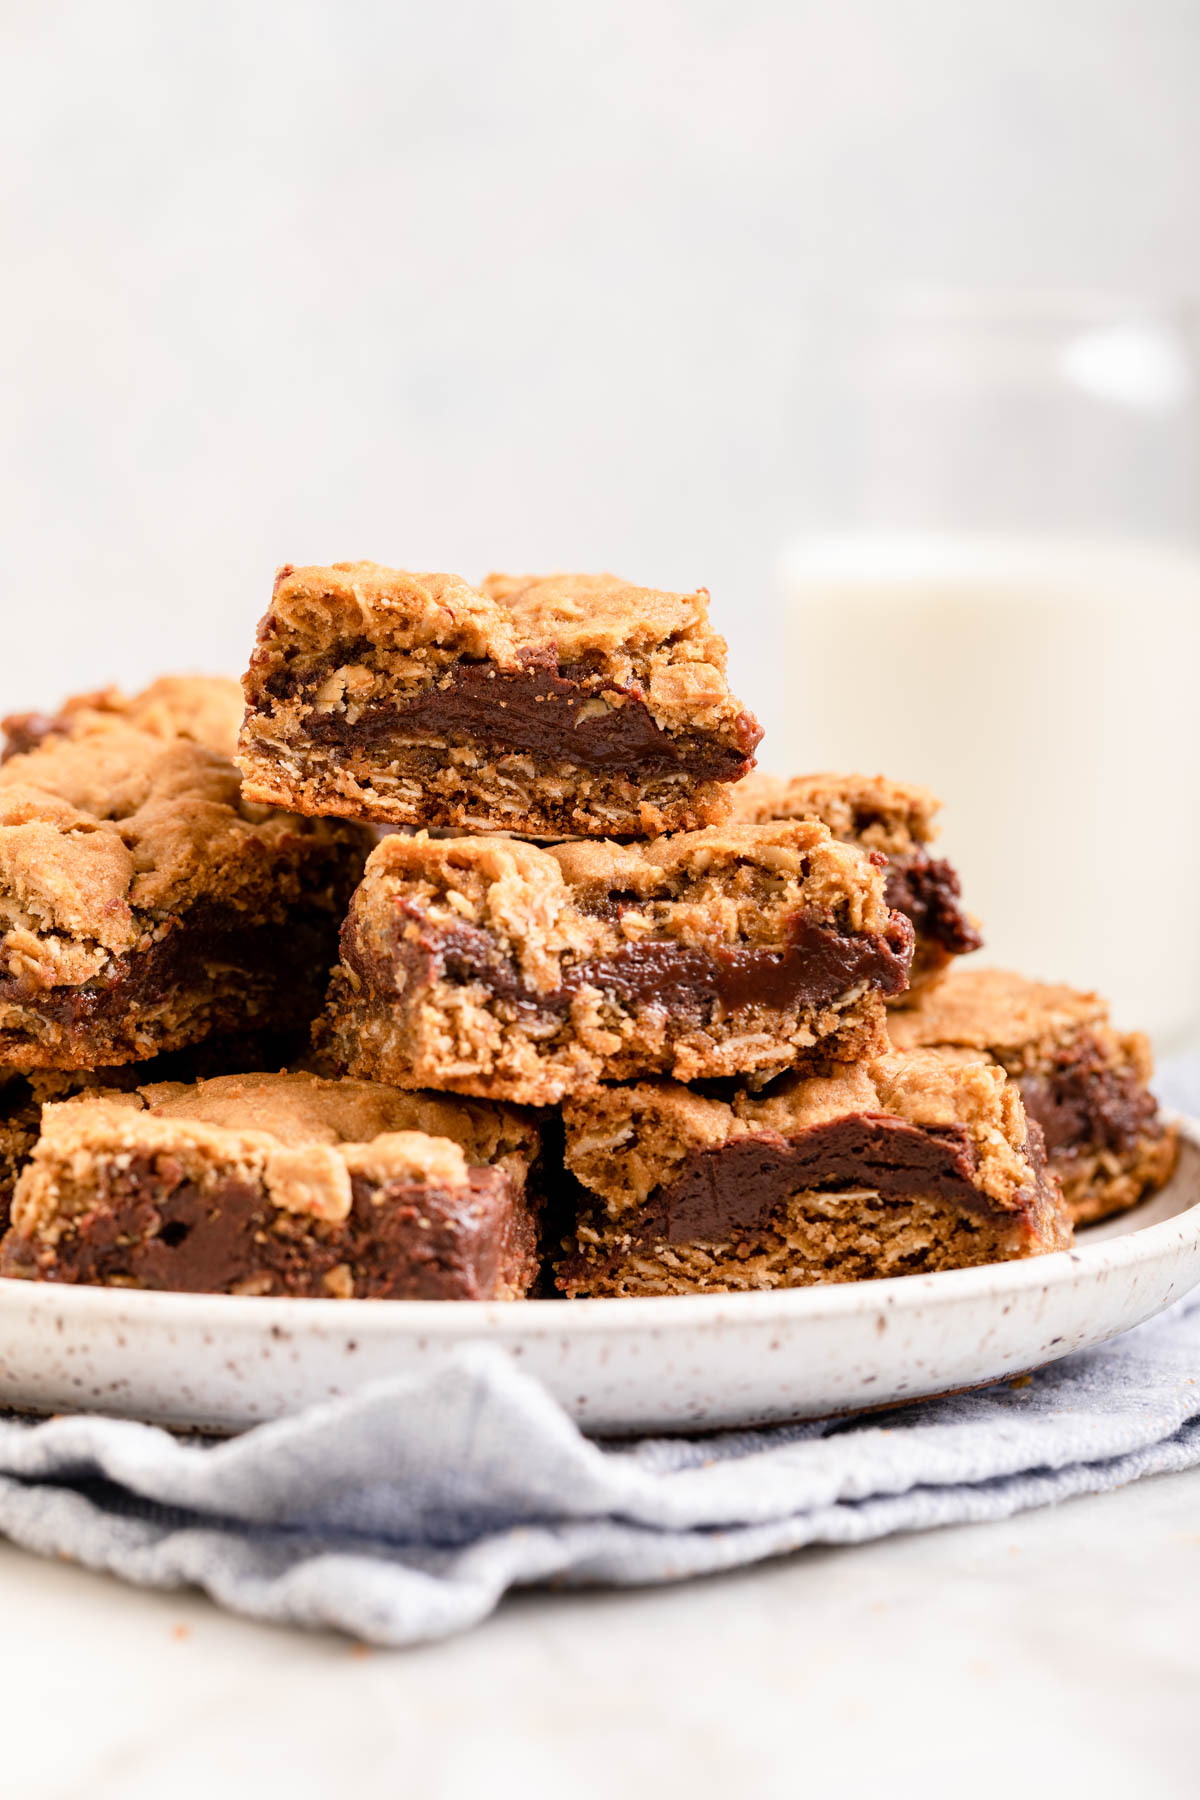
[997, 593]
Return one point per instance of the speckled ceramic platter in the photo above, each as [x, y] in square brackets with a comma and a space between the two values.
[224, 1363]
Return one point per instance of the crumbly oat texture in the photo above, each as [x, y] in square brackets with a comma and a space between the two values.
[495, 967]
[895, 817]
[205, 708]
[279, 1184]
[1085, 1083]
[144, 905]
[903, 1164]
[891, 818]
[550, 706]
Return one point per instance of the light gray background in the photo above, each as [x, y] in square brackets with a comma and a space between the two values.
[538, 284]
[533, 284]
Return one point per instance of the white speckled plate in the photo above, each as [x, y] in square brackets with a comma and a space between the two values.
[617, 1365]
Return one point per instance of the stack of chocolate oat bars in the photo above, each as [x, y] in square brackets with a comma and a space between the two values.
[554, 994]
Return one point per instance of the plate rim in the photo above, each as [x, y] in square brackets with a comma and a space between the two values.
[290, 1315]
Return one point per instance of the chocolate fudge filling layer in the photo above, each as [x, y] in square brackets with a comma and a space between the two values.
[1082, 1103]
[402, 1241]
[736, 1187]
[20, 1115]
[289, 962]
[819, 965]
[569, 714]
[720, 1195]
[929, 892]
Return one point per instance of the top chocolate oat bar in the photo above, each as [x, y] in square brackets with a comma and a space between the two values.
[548, 706]
[895, 819]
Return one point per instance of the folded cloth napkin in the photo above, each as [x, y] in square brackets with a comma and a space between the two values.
[405, 1512]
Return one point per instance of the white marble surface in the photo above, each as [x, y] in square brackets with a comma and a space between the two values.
[1055, 1653]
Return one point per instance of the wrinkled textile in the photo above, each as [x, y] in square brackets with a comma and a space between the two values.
[405, 1512]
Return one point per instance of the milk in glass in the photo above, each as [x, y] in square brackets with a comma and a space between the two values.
[1047, 689]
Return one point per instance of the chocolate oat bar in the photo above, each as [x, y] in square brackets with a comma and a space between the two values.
[1084, 1083]
[495, 967]
[560, 706]
[22, 1097]
[206, 708]
[280, 1184]
[896, 820]
[902, 1165]
[145, 906]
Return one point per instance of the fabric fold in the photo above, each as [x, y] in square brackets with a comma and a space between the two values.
[405, 1512]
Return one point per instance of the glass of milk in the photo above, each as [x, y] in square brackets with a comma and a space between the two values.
[1002, 600]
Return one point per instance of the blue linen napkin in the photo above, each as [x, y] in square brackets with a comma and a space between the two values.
[405, 1512]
